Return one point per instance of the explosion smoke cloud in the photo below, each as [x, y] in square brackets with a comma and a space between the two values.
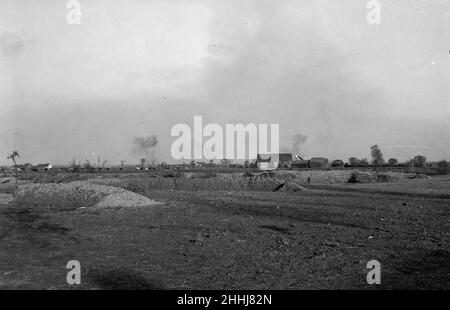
[144, 146]
[297, 141]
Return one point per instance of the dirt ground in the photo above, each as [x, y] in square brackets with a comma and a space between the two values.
[321, 238]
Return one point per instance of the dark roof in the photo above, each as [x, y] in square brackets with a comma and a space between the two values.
[41, 165]
[319, 160]
[338, 161]
[285, 157]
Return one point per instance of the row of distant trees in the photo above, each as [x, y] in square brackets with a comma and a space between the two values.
[378, 159]
[418, 161]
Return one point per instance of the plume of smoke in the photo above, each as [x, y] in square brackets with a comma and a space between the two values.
[297, 141]
[144, 146]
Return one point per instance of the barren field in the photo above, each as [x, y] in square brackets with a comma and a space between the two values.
[282, 231]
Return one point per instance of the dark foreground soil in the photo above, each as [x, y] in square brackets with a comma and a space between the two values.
[319, 239]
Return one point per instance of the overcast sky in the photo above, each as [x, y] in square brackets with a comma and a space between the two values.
[137, 67]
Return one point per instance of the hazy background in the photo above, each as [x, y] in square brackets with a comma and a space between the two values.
[133, 69]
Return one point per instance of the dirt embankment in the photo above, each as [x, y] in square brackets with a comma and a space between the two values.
[343, 176]
[68, 196]
[124, 191]
[210, 182]
[273, 181]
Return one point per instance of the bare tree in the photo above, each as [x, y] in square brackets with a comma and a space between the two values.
[419, 161]
[13, 157]
[88, 166]
[74, 166]
[377, 156]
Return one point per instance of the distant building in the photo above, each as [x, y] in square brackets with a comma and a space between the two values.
[285, 160]
[299, 162]
[431, 164]
[274, 161]
[42, 167]
[319, 163]
[267, 161]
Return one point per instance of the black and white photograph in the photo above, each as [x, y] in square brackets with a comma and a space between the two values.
[218, 146]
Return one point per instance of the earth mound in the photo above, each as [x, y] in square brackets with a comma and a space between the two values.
[69, 196]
